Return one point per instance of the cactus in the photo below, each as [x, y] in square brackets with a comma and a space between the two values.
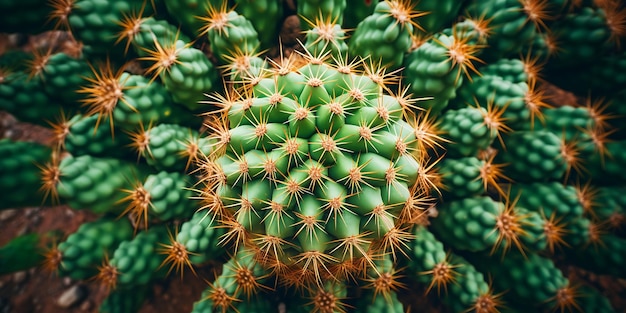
[399, 147]
[81, 253]
[134, 262]
[81, 135]
[437, 66]
[18, 90]
[96, 24]
[385, 35]
[313, 196]
[93, 183]
[24, 164]
[532, 281]
[23, 252]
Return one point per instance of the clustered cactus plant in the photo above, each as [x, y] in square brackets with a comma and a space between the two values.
[399, 143]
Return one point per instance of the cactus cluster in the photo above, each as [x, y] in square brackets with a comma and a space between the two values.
[395, 147]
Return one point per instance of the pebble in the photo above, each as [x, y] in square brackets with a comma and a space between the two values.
[69, 213]
[8, 133]
[35, 220]
[30, 212]
[7, 214]
[72, 296]
[86, 306]
[19, 277]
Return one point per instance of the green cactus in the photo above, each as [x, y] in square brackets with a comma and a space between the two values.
[145, 33]
[121, 300]
[170, 146]
[230, 34]
[605, 166]
[513, 24]
[241, 278]
[24, 164]
[63, 75]
[326, 37]
[24, 17]
[23, 252]
[356, 12]
[534, 156]
[264, 16]
[81, 135]
[469, 130]
[604, 253]
[489, 225]
[439, 15]
[83, 251]
[162, 196]
[459, 284]
[135, 262]
[327, 194]
[435, 69]
[533, 282]
[19, 91]
[185, 71]
[591, 300]
[385, 36]
[96, 184]
[187, 12]
[583, 34]
[96, 23]
[467, 177]
[196, 242]
[323, 10]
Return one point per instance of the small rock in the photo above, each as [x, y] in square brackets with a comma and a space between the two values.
[35, 220]
[30, 212]
[8, 133]
[69, 213]
[7, 214]
[19, 277]
[86, 306]
[72, 296]
[22, 231]
[67, 281]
